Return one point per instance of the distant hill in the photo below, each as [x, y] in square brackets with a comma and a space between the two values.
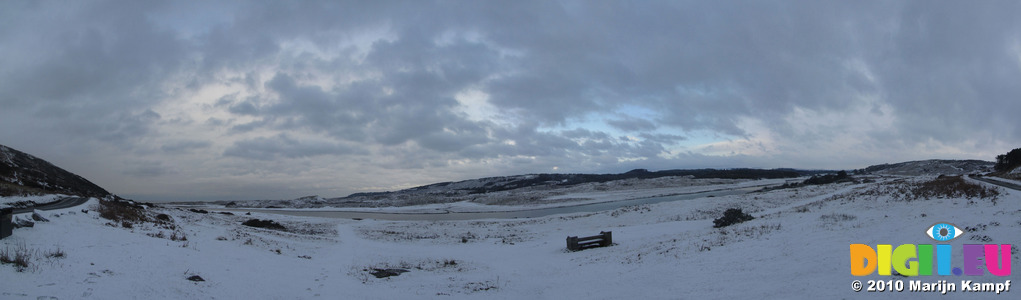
[932, 167]
[528, 185]
[24, 174]
[505, 183]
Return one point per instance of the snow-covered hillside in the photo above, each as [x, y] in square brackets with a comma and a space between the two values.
[932, 167]
[521, 189]
[526, 195]
[22, 174]
[796, 247]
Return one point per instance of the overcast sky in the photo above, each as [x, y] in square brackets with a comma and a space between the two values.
[176, 100]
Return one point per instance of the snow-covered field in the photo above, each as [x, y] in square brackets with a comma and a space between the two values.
[797, 247]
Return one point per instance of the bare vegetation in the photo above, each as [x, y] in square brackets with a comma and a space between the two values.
[939, 188]
[730, 217]
[836, 221]
[22, 257]
[121, 211]
[725, 236]
[952, 187]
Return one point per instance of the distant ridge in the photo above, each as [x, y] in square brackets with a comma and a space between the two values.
[505, 183]
[24, 174]
[932, 167]
[508, 187]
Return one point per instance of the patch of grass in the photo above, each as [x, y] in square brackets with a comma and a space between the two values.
[20, 257]
[121, 211]
[178, 236]
[835, 217]
[952, 187]
[836, 221]
[8, 189]
[56, 253]
[941, 187]
[754, 231]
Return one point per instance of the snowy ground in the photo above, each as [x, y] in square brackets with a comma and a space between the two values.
[19, 201]
[1001, 179]
[797, 247]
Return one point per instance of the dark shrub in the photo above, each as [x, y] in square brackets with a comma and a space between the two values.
[268, 224]
[730, 217]
[827, 179]
[121, 211]
[952, 187]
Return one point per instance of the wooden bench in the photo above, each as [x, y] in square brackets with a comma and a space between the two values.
[605, 238]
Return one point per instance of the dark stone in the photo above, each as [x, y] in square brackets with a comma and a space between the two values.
[201, 211]
[384, 273]
[38, 218]
[163, 217]
[196, 278]
[22, 223]
[268, 224]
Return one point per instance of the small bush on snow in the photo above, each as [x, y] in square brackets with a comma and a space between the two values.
[730, 217]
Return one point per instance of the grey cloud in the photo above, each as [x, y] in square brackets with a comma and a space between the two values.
[632, 124]
[350, 79]
[79, 68]
[147, 169]
[283, 146]
[185, 146]
[663, 138]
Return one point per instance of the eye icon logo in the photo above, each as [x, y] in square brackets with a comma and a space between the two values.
[943, 232]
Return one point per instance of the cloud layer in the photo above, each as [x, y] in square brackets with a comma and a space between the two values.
[242, 100]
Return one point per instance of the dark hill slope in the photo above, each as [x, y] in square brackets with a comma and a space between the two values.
[22, 173]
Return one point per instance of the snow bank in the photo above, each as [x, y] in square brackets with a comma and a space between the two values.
[15, 200]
